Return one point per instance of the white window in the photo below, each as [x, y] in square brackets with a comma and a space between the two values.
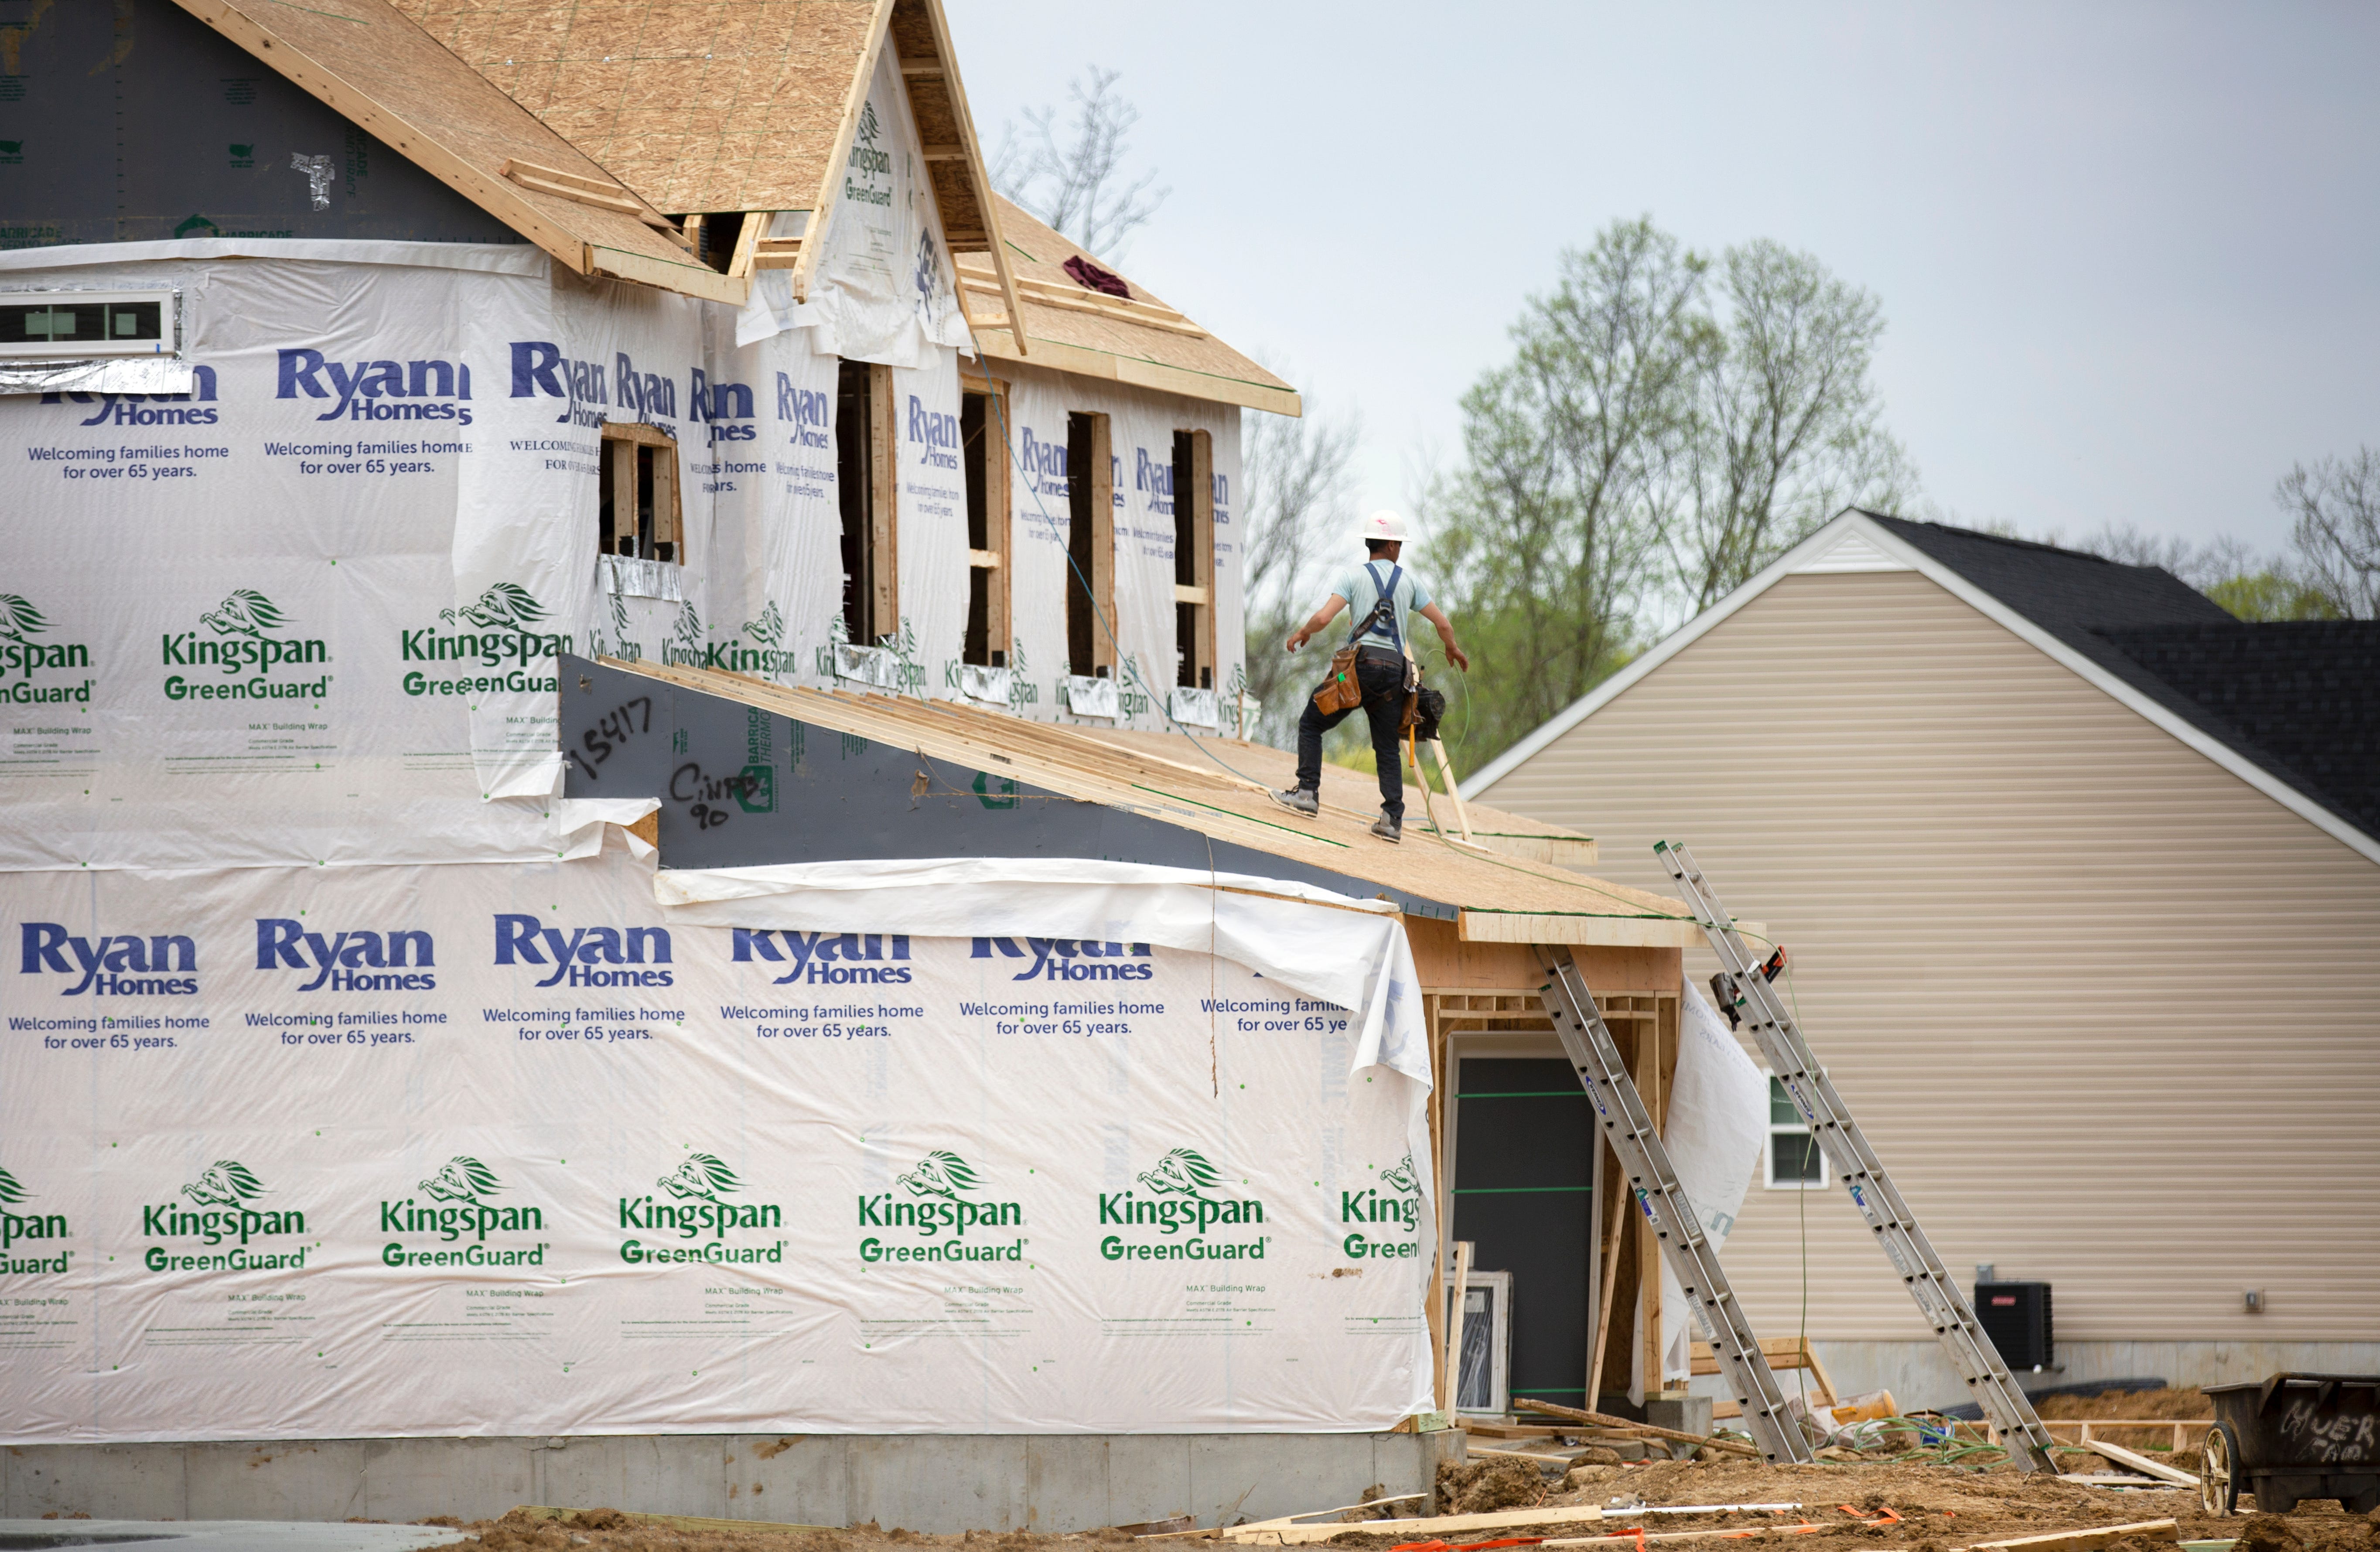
[60, 325]
[1796, 1162]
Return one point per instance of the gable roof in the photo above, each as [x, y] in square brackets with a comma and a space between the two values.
[1071, 328]
[368, 61]
[2232, 693]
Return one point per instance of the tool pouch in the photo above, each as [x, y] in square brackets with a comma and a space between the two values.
[1339, 692]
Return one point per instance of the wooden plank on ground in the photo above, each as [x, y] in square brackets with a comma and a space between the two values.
[2084, 1541]
[1604, 1420]
[671, 1522]
[2141, 1463]
[1507, 1518]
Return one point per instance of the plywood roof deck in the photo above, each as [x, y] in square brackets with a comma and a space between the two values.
[1497, 898]
[1157, 353]
[366, 59]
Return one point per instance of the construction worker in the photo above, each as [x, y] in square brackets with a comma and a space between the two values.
[1385, 597]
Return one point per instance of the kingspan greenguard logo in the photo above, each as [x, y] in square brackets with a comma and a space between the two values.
[221, 1211]
[21, 657]
[244, 641]
[39, 1232]
[459, 1206]
[496, 633]
[1186, 1197]
[940, 1201]
[1390, 1213]
[701, 1214]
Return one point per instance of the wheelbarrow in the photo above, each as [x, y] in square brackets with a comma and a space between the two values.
[2294, 1436]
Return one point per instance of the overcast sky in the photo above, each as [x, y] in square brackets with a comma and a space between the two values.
[2126, 253]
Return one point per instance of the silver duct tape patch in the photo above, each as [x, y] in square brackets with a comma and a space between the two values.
[626, 576]
[140, 374]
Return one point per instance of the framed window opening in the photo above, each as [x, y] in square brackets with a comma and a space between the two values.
[1194, 559]
[865, 465]
[1091, 541]
[1794, 1160]
[639, 514]
[983, 420]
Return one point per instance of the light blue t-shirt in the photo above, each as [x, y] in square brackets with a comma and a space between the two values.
[1361, 588]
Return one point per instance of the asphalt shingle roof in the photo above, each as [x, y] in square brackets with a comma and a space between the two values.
[2301, 699]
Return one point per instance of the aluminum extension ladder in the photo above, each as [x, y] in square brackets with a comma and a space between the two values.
[1855, 1164]
[1628, 1127]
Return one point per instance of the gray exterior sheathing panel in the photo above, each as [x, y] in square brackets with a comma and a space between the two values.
[134, 122]
[743, 787]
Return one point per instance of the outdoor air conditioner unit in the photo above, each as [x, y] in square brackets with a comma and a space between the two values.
[2016, 1317]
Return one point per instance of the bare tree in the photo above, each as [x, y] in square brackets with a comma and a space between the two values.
[1298, 493]
[1549, 537]
[1792, 429]
[2201, 565]
[2337, 535]
[1075, 179]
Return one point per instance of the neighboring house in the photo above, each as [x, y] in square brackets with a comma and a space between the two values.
[2080, 879]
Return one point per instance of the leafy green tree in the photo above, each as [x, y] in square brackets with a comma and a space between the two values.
[1791, 428]
[2273, 595]
[1664, 427]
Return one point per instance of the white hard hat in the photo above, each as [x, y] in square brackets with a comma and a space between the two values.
[1384, 525]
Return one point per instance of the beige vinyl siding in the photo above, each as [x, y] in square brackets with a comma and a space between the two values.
[2110, 1016]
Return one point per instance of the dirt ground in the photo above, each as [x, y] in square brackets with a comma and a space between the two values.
[2181, 1405]
[1940, 1508]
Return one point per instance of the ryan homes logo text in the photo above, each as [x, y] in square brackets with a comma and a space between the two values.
[825, 958]
[353, 961]
[1185, 1198]
[938, 1202]
[1069, 959]
[576, 955]
[40, 1232]
[123, 965]
[458, 1203]
[541, 369]
[222, 1212]
[697, 1208]
[372, 390]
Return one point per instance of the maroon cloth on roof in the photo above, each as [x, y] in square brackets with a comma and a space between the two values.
[1088, 274]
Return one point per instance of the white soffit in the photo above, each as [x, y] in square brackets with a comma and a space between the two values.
[1851, 552]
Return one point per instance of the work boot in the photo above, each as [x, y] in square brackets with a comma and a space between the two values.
[1299, 800]
[1388, 828]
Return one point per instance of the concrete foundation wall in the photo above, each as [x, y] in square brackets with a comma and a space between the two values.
[924, 1483]
[1920, 1377]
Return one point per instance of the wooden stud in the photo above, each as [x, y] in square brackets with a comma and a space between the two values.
[921, 68]
[942, 153]
[1462, 1251]
[667, 528]
[1103, 546]
[1207, 663]
[1605, 1287]
[2086, 1541]
[747, 242]
[883, 515]
[620, 463]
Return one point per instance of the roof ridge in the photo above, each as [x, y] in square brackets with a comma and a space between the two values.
[2009, 539]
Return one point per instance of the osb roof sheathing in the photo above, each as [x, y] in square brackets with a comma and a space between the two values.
[1497, 898]
[696, 104]
[366, 59]
[1198, 366]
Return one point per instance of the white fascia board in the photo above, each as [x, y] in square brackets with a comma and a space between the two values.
[1669, 647]
[2155, 712]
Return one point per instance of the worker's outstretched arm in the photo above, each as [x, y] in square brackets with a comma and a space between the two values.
[1454, 654]
[1322, 616]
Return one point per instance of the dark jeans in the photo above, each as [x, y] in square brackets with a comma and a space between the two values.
[1384, 702]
